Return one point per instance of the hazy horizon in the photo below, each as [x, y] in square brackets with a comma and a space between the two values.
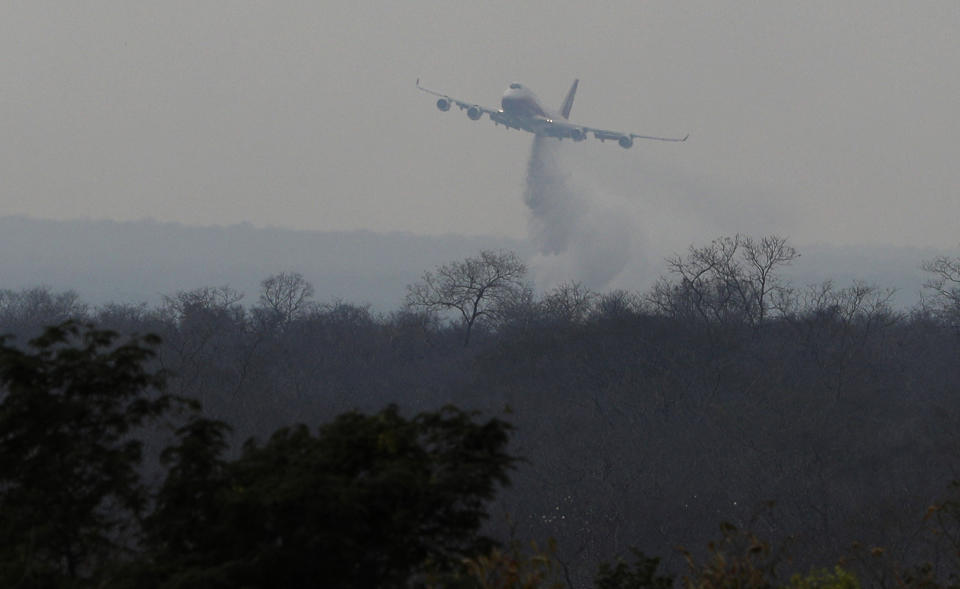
[140, 261]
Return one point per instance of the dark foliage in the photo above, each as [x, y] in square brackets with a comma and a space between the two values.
[69, 485]
[641, 575]
[363, 503]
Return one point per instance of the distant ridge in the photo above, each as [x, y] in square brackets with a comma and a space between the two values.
[140, 261]
[886, 266]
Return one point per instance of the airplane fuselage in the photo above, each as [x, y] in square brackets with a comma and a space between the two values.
[520, 102]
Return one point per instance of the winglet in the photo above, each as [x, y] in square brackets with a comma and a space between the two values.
[427, 90]
[568, 101]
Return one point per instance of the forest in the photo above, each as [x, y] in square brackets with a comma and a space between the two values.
[725, 428]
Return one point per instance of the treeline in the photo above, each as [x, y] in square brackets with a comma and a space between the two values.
[643, 419]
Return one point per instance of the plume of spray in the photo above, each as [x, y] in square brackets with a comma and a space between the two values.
[580, 234]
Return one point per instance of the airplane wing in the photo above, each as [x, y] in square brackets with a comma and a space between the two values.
[474, 111]
[626, 139]
[568, 130]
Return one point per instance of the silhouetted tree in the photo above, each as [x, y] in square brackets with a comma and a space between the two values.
[763, 259]
[286, 294]
[366, 502]
[187, 516]
[568, 302]
[200, 329]
[945, 286]
[476, 288]
[26, 312]
[729, 281]
[69, 483]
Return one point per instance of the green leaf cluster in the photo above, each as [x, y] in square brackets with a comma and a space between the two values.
[839, 578]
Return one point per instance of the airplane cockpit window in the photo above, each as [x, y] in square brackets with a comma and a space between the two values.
[515, 86]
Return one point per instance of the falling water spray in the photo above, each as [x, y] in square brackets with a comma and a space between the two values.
[579, 234]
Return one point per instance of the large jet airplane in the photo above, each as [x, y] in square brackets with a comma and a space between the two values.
[521, 109]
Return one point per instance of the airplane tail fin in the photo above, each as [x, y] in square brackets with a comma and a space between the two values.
[568, 101]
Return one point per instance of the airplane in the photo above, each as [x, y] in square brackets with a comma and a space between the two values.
[521, 109]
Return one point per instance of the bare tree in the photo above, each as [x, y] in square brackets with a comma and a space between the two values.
[616, 305]
[479, 288]
[945, 285]
[569, 302]
[763, 258]
[729, 281]
[709, 284]
[286, 294]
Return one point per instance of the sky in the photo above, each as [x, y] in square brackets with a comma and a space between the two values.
[827, 122]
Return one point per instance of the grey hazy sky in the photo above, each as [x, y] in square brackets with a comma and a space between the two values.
[828, 121]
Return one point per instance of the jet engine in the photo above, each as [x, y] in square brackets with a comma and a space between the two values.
[625, 141]
[443, 104]
[577, 134]
[474, 112]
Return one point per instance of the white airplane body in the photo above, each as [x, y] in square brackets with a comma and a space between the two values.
[521, 109]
